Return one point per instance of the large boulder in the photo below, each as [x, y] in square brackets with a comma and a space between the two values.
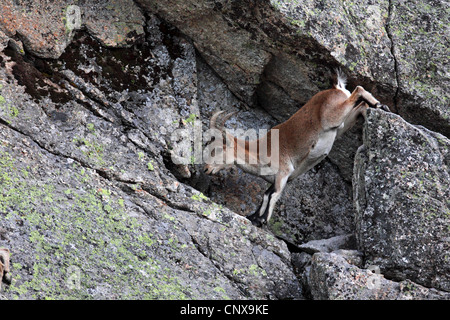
[401, 195]
[332, 277]
[418, 32]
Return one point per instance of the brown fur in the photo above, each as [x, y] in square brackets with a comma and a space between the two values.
[304, 139]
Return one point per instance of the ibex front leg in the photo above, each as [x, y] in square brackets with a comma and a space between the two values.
[257, 218]
[271, 196]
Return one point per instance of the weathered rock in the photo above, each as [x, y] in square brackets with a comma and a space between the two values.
[74, 234]
[250, 45]
[276, 55]
[279, 53]
[89, 209]
[115, 23]
[353, 32]
[39, 25]
[332, 278]
[401, 193]
[199, 21]
[317, 205]
[354, 257]
[329, 245]
[93, 206]
[46, 29]
[420, 47]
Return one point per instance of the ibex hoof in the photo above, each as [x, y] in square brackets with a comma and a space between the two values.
[256, 219]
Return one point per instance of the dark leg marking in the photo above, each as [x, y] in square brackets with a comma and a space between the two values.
[257, 218]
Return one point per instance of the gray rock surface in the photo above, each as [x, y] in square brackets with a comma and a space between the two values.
[329, 245]
[278, 53]
[401, 192]
[422, 60]
[332, 278]
[98, 99]
[89, 209]
[317, 205]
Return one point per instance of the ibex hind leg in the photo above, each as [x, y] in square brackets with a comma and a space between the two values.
[352, 117]
[361, 95]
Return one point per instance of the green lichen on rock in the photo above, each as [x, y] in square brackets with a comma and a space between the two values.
[420, 44]
[89, 207]
[354, 32]
[401, 192]
[83, 241]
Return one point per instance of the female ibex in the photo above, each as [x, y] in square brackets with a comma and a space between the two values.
[301, 142]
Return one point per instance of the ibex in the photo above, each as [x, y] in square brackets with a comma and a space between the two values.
[304, 140]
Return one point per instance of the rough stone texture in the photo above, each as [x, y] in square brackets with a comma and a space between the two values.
[197, 19]
[38, 24]
[353, 31]
[344, 246]
[244, 41]
[115, 23]
[75, 234]
[332, 278]
[419, 32]
[401, 192]
[317, 205]
[93, 206]
[329, 245]
[276, 54]
[46, 28]
[88, 207]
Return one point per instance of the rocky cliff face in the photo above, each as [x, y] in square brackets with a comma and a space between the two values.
[99, 99]
[402, 197]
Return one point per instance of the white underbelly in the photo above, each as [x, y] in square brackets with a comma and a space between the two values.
[321, 149]
[323, 145]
